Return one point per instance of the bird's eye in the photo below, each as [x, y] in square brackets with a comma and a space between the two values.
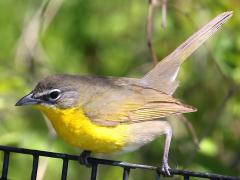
[54, 95]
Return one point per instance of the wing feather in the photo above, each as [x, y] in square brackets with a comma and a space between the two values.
[133, 104]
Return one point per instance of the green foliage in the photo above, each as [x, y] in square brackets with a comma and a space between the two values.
[108, 38]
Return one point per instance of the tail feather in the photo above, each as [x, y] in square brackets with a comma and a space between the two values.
[163, 76]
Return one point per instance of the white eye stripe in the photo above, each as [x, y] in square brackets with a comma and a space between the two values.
[37, 95]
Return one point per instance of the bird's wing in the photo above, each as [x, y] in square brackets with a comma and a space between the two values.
[132, 104]
[163, 75]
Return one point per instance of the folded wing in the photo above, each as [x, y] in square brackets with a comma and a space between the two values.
[133, 104]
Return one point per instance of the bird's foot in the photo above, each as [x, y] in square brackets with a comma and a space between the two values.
[164, 169]
[83, 158]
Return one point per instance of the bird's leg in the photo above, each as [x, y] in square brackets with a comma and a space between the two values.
[83, 158]
[165, 167]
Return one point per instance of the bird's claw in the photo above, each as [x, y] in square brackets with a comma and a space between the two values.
[164, 169]
[83, 158]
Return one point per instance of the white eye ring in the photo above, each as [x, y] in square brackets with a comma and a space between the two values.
[54, 94]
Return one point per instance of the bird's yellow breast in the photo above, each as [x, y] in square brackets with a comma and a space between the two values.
[78, 130]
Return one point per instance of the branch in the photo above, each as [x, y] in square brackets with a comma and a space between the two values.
[28, 44]
[149, 29]
[190, 128]
[164, 13]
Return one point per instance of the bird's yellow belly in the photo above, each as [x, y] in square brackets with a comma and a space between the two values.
[76, 129]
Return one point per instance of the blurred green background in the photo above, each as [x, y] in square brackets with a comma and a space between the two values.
[108, 37]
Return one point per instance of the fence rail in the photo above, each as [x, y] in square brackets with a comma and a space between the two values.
[95, 162]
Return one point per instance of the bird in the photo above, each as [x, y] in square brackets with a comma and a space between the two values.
[110, 114]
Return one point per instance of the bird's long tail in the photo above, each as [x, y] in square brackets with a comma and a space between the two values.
[163, 75]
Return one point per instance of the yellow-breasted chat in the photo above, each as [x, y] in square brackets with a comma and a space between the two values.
[110, 114]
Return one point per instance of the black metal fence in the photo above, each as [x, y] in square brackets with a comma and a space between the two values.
[95, 162]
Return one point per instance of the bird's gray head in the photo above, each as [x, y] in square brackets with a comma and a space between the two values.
[59, 91]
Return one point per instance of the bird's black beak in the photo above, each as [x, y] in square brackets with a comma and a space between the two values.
[27, 100]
